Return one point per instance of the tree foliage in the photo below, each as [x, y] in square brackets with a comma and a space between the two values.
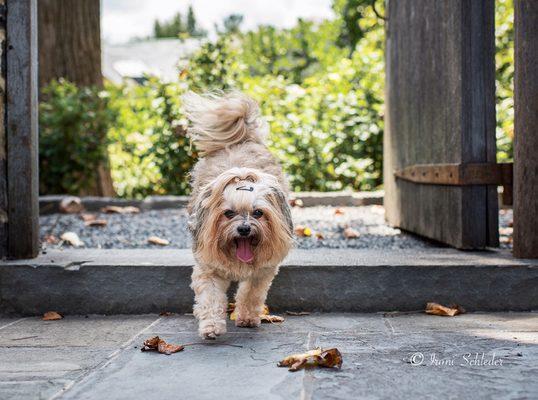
[179, 26]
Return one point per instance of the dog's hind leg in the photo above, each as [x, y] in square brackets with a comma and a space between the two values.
[250, 298]
[210, 302]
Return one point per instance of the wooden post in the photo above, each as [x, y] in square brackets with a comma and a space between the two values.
[3, 139]
[526, 129]
[22, 129]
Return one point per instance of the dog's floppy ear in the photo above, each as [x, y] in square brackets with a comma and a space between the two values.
[281, 201]
[199, 212]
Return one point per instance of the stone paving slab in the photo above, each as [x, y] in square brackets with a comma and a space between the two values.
[151, 281]
[479, 356]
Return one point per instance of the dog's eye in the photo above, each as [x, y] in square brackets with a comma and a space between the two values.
[229, 214]
[257, 214]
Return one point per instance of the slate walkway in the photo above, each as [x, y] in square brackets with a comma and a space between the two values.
[491, 355]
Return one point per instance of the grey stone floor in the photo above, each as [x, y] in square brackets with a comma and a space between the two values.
[478, 356]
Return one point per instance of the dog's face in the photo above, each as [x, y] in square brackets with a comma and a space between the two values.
[242, 217]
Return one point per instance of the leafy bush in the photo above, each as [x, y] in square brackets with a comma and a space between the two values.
[149, 150]
[504, 59]
[73, 127]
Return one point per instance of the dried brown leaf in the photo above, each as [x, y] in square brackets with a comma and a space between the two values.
[438, 309]
[70, 205]
[120, 210]
[50, 239]
[157, 240]
[88, 217]
[328, 358]
[51, 316]
[506, 231]
[72, 238]
[157, 344]
[166, 314]
[297, 313]
[96, 222]
[167, 348]
[320, 236]
[350, 233]
[296, 203]
[303, 231]
[339, 211]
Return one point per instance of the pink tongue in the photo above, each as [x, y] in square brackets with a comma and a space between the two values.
[244, 252]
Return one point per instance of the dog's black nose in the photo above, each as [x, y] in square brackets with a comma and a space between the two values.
[243, 230]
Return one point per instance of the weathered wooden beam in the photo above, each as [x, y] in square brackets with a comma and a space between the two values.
[22, 129]
[526, 129]
[458, 174]
[3, 138]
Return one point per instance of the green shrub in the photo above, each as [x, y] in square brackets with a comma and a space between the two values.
[149, 150]
[73, 127]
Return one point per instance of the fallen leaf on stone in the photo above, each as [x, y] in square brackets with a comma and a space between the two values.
[166, 314]
[50, 239]
[506, 239]
[96, 222]
[296, 203]
[438, 309]
[350, 233]
[158, 240]
[70, 205]
[157, 344]
[271, 319]
[72, 238]
[120, 210]
[51, 316]
[297, 313]
[328, 358]
[88, 217]
[303, 231]
[339, 211]
[506, 231]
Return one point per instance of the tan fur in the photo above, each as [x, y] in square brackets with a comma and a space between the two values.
[230, 133]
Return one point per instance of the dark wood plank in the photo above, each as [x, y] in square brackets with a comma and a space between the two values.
[3, 139]
[526, 130]
[440, 109]
[22, 141]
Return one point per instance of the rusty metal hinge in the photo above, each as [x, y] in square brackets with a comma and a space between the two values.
[461, 175]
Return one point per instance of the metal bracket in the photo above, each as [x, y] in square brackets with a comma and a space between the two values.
[461, 175]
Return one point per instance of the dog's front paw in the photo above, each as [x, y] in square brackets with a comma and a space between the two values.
[211, 329]
[252, 322]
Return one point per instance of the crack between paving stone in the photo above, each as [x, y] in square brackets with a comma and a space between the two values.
[103, 364]
[12, 323]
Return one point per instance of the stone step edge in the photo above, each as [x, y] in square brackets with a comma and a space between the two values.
[149, 281]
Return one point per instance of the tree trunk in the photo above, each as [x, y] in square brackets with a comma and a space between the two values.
[70, 48]
[70, 41]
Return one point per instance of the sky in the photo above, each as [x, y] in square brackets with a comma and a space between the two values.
[126, 19]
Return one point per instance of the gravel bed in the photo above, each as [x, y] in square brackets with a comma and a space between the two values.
[133, 230]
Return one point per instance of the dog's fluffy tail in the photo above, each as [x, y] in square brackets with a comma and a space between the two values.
[219, 121]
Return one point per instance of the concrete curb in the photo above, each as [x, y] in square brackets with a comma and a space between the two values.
[149, 281]
[50, 204]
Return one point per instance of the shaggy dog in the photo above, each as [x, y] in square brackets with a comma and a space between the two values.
[238, 214]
